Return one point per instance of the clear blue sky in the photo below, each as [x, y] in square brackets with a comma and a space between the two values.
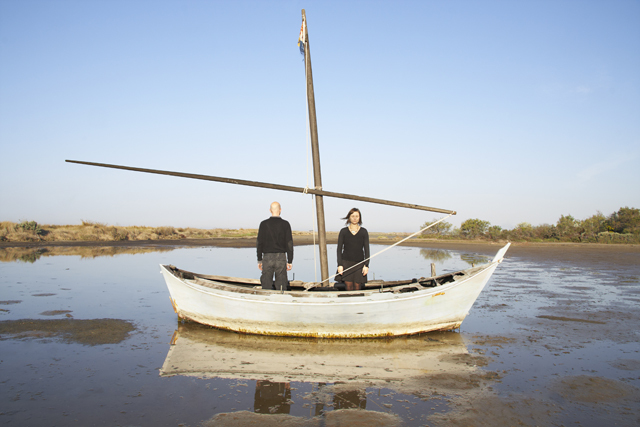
[507, 111]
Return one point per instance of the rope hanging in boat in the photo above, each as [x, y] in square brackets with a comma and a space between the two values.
[308, 286]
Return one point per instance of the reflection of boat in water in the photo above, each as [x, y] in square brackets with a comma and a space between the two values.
[342, 373]
[203, 352]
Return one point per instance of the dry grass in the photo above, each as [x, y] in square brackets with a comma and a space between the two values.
[96, 232]
[89, 231]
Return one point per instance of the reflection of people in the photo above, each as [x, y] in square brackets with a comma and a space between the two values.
[319, 405]
[350, 399]
[353, 247]
[275, 250]
[272, 398]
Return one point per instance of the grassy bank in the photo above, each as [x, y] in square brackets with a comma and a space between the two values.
[31, 231]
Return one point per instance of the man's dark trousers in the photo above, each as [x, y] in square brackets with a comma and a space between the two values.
[274, 263]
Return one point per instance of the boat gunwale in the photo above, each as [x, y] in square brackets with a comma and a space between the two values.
[225, 290]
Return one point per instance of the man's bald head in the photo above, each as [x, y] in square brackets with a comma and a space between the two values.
[275, 209]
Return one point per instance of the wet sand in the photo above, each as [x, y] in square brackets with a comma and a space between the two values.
[87, 332]
[552, 364]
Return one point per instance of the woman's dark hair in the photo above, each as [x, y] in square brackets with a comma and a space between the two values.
[349, 214]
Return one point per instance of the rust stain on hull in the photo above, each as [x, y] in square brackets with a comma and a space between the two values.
[385, 334]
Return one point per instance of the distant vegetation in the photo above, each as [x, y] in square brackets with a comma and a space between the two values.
[622, 226]
[31, 231]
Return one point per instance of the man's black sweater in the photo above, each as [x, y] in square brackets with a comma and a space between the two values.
[274, 236]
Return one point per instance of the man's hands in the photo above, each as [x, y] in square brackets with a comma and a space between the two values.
[289, 266]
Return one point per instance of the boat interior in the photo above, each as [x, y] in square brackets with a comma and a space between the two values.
[244, 285]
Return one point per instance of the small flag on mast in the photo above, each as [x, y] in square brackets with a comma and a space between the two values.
[301, 39]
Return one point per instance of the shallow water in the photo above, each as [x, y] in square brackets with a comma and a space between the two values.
[546, 343]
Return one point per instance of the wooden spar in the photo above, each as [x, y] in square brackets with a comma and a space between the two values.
[317, 178]
[270, 186]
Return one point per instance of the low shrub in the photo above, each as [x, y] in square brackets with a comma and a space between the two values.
[118, 234]
[30, 226]
[165, 231]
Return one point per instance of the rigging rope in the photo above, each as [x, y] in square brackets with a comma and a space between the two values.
[308, 286]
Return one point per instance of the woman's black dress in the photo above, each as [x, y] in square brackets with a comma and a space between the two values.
[353, 248]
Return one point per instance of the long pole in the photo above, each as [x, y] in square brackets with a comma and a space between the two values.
[313, 128]
[267, 185]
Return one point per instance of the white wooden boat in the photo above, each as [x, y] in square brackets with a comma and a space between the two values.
[382, 309]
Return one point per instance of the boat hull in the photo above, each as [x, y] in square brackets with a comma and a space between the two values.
[369, 313]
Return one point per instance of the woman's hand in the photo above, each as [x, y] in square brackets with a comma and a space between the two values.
[365, 270]
[340, 269]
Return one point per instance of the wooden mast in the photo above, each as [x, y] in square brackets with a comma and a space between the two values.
[313, 129]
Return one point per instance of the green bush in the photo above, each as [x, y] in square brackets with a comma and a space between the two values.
[473, 228]
[626, 220]
[622, 226]
[440, 229]
[494, 232]
[31, 226]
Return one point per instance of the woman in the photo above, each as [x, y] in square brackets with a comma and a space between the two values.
[353, 247]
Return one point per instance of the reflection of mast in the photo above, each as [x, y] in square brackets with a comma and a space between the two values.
[313, 129]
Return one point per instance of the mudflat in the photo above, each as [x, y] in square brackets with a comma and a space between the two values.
[552, 340]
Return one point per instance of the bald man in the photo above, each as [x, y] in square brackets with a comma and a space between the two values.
[275, 250]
